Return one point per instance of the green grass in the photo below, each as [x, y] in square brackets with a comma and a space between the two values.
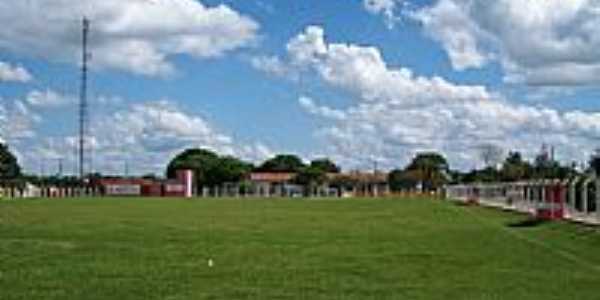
[282, 249]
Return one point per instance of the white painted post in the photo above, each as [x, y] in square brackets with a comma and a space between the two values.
[584, 196]
[572, 195]
[544, 196]
[528, 195]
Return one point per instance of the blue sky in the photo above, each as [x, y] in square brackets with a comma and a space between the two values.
[373, 80]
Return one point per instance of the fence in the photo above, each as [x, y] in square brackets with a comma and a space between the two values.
[225, 191]
[31, 191]
[574, 199]
[268, 191]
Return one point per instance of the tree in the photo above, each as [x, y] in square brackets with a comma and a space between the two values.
[326, 165]
[546, 167]
[514, 158]
[485, 175]
[430, 168]
[311, 176]
[209, 168]
[282, 163]
[515, 168]
[316, 173]
[400, 180]
[9, 166]
[231, 169]
[491, 155]
[595, 162]
[430, 161]
[201, 161]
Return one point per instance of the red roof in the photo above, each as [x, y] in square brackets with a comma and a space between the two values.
[125, 181]
[272, 177]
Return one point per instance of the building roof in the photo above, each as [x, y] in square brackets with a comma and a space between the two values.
[365, 177]
[272, 177]
[278, 177]
[125, 181]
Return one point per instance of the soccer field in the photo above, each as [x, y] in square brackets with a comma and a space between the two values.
[288, 249]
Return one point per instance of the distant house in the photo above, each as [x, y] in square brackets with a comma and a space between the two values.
[180, 187]
[275, 184]
[352, 184]
[361, 184]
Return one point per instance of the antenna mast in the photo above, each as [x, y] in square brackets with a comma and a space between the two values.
[83, 105]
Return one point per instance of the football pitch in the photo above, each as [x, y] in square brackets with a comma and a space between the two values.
[288, 249]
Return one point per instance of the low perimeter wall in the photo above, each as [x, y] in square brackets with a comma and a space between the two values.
[576, 199]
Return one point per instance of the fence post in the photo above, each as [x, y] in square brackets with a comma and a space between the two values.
[584, 196]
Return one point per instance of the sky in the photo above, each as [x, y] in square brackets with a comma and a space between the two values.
[360, 81]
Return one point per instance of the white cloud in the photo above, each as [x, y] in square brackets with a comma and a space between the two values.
[550, 42]
[151, 133]
[146, 135]
[398, 113]
[386, 8]
[136, 36]
[308, 46]
[363, 71]
[17, 121]
[448, 23]
[9, 72]
[274, 66]
[47, 99]
[309, 105]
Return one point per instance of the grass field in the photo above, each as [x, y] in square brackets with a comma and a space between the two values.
[288, 249]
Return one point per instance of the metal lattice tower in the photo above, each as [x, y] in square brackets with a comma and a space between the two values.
[83, 105]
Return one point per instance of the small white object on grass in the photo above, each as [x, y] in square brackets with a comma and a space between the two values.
[210, 263]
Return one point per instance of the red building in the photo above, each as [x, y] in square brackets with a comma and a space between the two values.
[180, 187]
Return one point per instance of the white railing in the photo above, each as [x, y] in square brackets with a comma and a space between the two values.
[576, 199]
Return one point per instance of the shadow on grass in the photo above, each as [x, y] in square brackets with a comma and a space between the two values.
[466, 204]
[527, 223]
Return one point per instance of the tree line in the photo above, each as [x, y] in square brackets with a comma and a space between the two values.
[427, 170]
[430, 171]
[211, 169]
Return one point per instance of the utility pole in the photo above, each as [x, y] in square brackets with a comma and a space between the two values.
[83, 106]
[126, 166]
[42, 167]
[60, 166]
[375, 165]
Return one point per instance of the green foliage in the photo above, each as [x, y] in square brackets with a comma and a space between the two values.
[150, 176]
[9, 166]
[209, 168]
[429, 161]
[316, 172]
[325, 165]
[488, 174]
[594, 162]
[343, 181]
[515, 168]
[54, 180]
[282, 163]
[430, 169]
[400, 180]
[311, 176]
[231, 169]
[544, 167]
